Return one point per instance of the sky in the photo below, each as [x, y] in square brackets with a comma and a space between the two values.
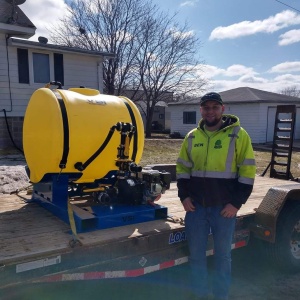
[243, 43]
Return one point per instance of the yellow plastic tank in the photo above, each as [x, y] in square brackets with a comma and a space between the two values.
[73, 124]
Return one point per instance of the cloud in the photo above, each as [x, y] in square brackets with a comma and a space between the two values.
[42, 13]
[231, 71]
[246, 28]
[241, 76]
[252, 79]
[290, 37]
[288, 78]
[237, 70]
[275, 85]
[286, 67]
[189, 3]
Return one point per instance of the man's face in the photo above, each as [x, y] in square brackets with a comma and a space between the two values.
[211, 112]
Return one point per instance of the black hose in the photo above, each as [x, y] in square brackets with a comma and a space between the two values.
[10, 135]
[82, 166]
[10, 98]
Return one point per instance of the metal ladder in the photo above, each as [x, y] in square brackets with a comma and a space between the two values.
[282, 147]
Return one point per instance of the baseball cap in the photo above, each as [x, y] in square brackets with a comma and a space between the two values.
[211, 97]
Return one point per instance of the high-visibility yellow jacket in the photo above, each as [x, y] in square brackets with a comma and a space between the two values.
[216, 168]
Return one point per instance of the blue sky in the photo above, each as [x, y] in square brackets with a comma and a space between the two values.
[254, 43]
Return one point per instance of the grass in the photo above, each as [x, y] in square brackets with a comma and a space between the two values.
[165, 151]
[161, 150]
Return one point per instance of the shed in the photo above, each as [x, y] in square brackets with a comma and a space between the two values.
[255, 109]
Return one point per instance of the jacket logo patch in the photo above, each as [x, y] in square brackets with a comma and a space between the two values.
[218, 144]
[199, 145]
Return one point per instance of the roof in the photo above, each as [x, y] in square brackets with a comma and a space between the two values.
[15, 23]
[37, 45]
[248, 95]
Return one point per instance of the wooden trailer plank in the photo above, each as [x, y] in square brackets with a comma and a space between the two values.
[28, 230]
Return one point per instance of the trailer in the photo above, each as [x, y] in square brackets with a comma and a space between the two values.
[37, 246]
[93, 213]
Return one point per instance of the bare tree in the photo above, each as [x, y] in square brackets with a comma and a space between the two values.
[109, 26]
[291, 91]
[167, 62]
[155, 55]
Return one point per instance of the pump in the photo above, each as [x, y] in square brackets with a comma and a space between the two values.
[82, 150]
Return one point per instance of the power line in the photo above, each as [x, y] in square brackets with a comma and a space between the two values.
[288, 6]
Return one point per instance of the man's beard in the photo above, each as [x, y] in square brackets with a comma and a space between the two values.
[213, 123]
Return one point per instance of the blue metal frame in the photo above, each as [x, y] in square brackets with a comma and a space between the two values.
[54, 197]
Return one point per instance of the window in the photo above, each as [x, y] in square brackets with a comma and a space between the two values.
[23, 65]
[189, 117]
[45, 67]
[59, 68]
[41, 68]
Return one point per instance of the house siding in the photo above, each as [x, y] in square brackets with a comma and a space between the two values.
[247, 115]
[176, 116]
[79, 70]
[297, 124]
[159, 122]
[253, 118]
[82, 71]
[249, 119]
[271, 121]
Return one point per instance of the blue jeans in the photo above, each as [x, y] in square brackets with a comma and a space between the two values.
[198, 225]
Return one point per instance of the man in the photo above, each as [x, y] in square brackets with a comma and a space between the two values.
[215, 176]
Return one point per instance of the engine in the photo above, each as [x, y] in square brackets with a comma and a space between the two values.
[145, 187]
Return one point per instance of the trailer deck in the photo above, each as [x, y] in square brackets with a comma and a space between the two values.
[35, 244]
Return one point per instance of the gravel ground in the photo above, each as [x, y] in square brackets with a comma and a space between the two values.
[12, 173]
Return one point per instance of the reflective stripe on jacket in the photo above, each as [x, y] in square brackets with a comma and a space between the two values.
[219, 168]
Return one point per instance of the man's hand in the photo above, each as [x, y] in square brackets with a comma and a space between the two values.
[229, 211]
[188, 204]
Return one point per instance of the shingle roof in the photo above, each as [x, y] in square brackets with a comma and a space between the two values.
[6, 13]
[248, 95]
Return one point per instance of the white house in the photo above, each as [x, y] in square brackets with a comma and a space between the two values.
[255, 108]
[27, 65]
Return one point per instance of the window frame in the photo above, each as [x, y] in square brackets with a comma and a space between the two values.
[31, 69]
[34, 73]
[187, 115]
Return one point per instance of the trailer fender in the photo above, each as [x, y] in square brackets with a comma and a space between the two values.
[267, 214]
